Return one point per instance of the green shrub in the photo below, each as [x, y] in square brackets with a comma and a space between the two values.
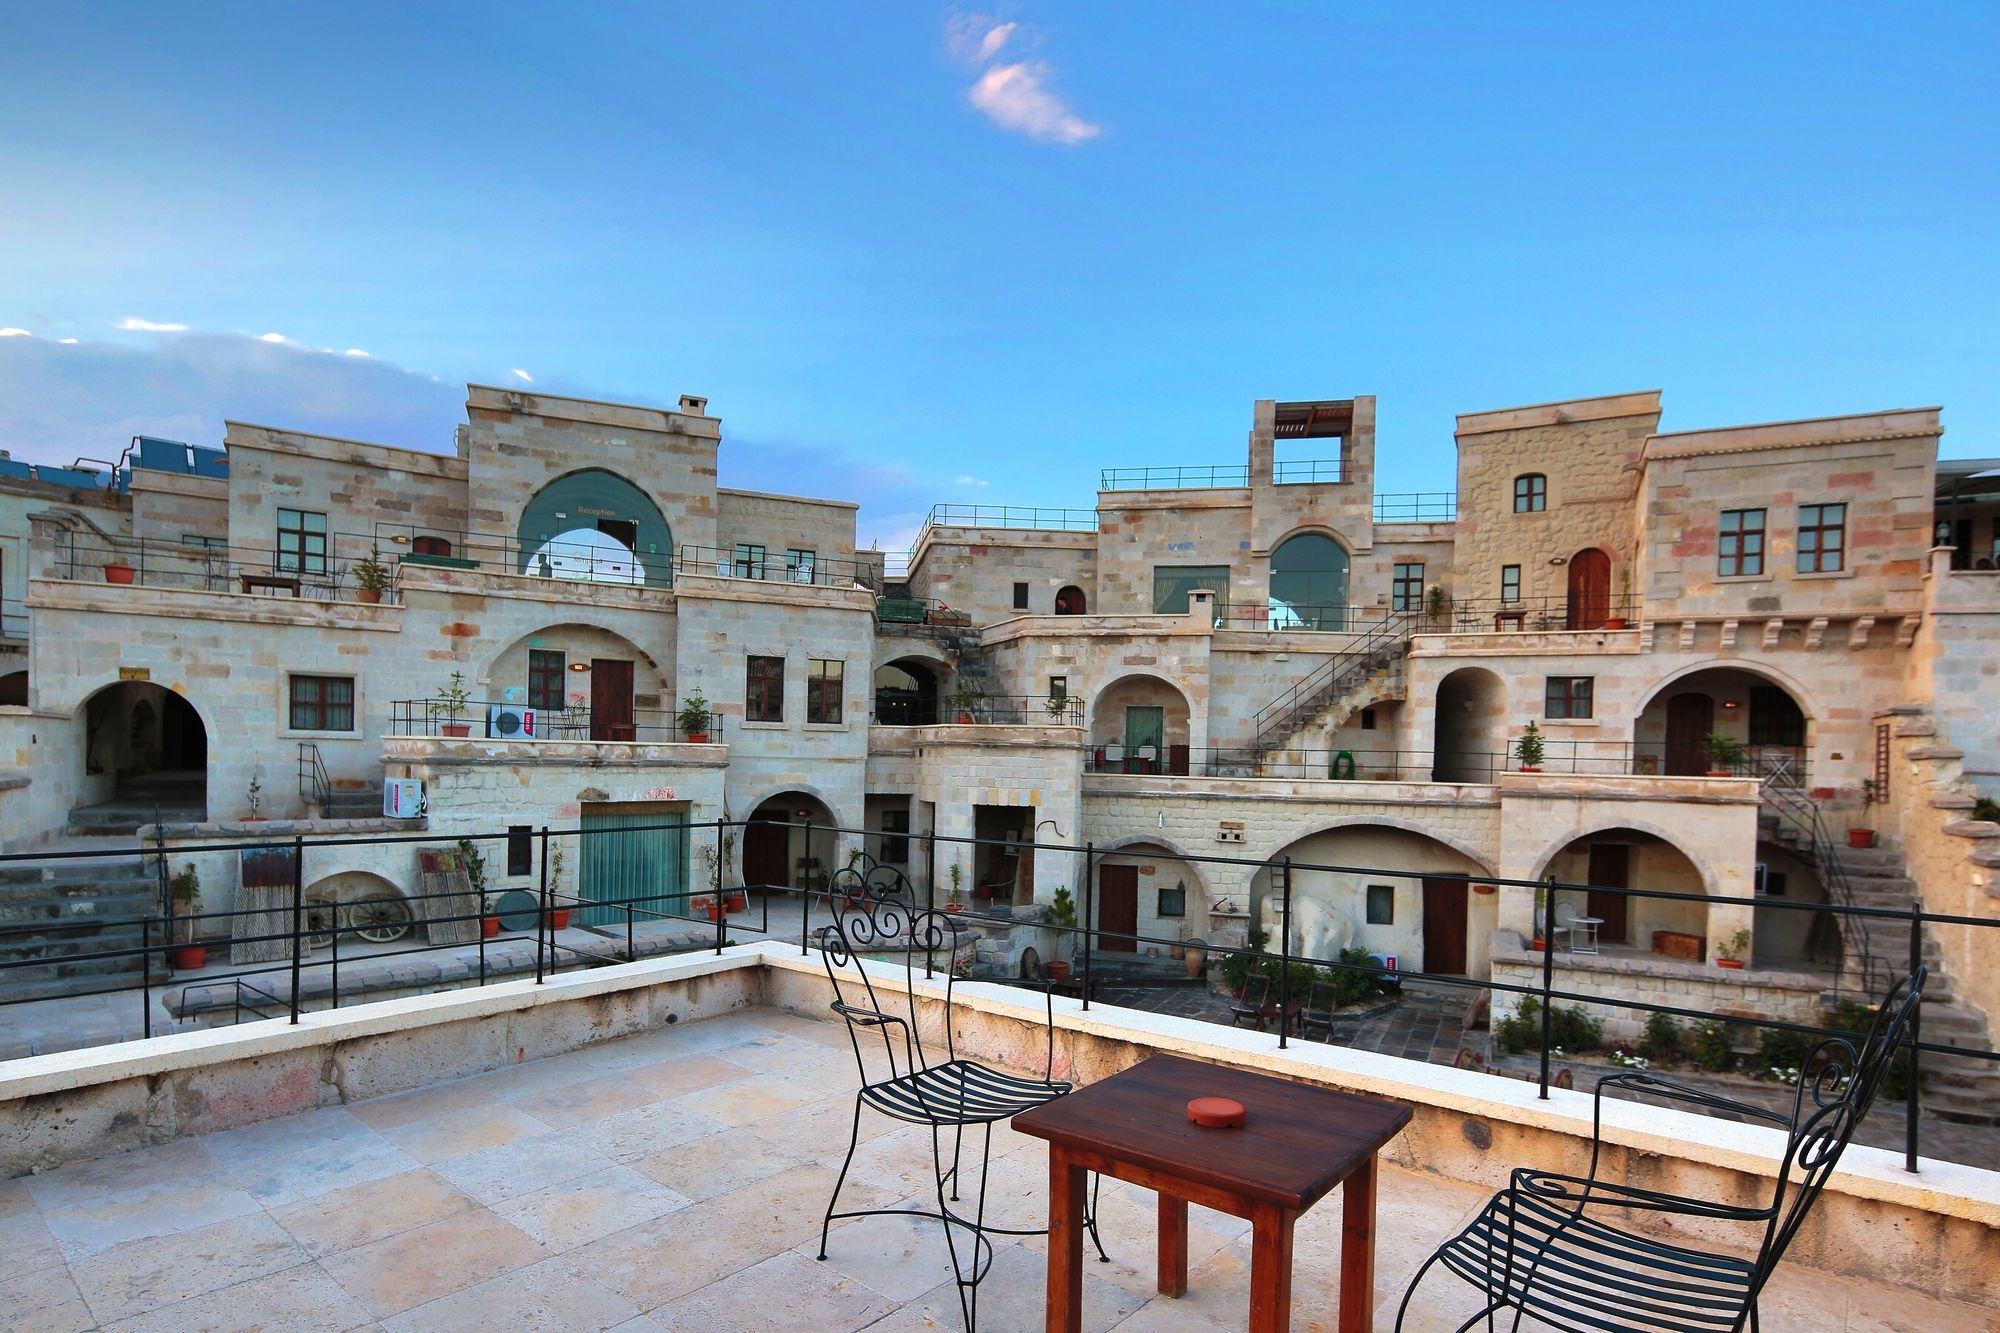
[1794, 1050]
[1986, 808]
[1662, 1038]
[1571, 1029]
[1711, 1048]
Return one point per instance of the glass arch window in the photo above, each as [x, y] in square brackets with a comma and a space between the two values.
[1309, 583]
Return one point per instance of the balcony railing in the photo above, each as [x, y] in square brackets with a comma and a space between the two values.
[1780, 765]
[1010, 710]
[492, 719]
[13, 619]
[765, 565]
[1172, 478]
[1417, 507]
[1011, 516]
[1309, 471]
[497, 553]
[333, 575]
[1502, 615]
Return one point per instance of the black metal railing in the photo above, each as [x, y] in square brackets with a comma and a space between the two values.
[1173, 478]
[1779, 768]
[1012, 710]
[1370, 650]
[1280, 617]
[13, 618]
[768, 565]
[337, 574]
[1309, 471]
[314, 784]
[1512, 615]
[1031, 517]
[1417, 507]
[705, 899]
[562, 558]
[489, 719]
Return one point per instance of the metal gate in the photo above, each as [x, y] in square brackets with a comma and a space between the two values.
[633, 853]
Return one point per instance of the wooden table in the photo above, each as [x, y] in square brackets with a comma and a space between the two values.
[1299, 1143]
[285, 582]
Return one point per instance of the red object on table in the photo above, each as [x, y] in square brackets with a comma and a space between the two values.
[1216, 1112]
[1132, 1126]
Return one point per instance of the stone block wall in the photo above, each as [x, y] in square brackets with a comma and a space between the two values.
[168, 506]
[975, 569]
[1790, 997]
[780, 523]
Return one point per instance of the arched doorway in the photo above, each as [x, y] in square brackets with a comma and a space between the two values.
[906, 694]
[1469, 727]
[789, 843]
[1756, 711]
[596, 527]
[1070, 601]
[1139, 724]
[145, 750]
[1147, 890]
[1589, 589]
[1623, 858]
[1309, 583]
[1412, 902]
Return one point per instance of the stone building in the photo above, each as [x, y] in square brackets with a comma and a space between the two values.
[1220, 677]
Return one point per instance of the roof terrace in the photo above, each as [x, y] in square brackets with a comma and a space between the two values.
[651, 1145]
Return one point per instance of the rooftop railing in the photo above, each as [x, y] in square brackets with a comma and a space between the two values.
[765, 565]
[1032, 518]
[1417, 507]
[293, 928]
[1172, 478]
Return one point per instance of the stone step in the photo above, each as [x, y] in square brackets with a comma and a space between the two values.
[81, 870]
[78, 910]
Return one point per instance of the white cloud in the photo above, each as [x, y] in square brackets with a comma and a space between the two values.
[11, 332]
[354, 351]
[974, 38]
[272, 338]
[133, 324]
[1017, 97]
[524, 377]
[968, 480]
[67, 342]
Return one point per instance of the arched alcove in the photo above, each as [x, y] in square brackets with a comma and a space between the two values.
[1469, 727]
[1139, 724]
[1396, 891]
[146, 747]
[595, 526]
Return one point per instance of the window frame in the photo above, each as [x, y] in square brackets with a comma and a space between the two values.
[520, 849]
[1020, 596]
[763, 688]
[1531, 493]
[745, 557]
[1379, 893]
[1814, 561]
[1402, 596]
[1563, 695]
[801, 559]
[1506, 597]
[561, 679]
[1741, 538]
[823, 705]
[321, 704]
[299, 553]
[1171, 902]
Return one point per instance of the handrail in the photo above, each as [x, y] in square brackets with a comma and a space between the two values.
[1793, 804]
[1029, 517]
[314, 785]
[1274, 720]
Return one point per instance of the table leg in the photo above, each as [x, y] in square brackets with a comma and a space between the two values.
[1066, 1201]
[1271, 1270]
[1173, 1246]
[1357, 1249]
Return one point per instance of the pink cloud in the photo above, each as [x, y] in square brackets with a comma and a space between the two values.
[1017, 97]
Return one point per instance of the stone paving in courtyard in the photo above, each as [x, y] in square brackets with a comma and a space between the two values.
[668, 1181]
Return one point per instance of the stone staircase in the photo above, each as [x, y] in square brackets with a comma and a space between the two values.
[968, 656]
[1372, 672]
[54, 914]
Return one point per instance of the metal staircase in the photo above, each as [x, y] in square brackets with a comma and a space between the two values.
[1366, 662]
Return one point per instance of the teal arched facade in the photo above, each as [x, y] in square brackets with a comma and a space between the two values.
[605, 501]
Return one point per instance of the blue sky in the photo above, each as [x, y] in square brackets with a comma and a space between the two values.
[973, 254]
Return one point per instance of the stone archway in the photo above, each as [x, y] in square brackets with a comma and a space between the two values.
[145, 753]
[1389, 890]
[1469, 727]
[1140, 724]
[789, 842]
[595, 526]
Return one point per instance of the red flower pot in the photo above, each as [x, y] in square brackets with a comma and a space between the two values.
[119, 573]
[1861, 837]
[489, 926]
[1057, 971]
[459, 730]
[188, 957]
[558, 918]
[1729, 962]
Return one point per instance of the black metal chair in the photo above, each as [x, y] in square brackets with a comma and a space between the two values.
[1559, 1248]
[873, 914]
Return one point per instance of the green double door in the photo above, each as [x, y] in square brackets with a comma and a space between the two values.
[633, 853]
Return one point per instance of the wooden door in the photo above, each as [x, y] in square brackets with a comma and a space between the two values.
[1589, 589]
[1690, 717]
[1610, 867]
[767, 850]
[611, 700]
[1118, 908]
[1444, 926]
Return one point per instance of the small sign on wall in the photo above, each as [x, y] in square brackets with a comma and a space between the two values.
[659, 794]
[135, 673]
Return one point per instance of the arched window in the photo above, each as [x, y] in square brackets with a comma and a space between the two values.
[1309, 583]
[1531, 493]
[596, 526]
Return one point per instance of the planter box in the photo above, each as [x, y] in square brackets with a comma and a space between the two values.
[1678, 944]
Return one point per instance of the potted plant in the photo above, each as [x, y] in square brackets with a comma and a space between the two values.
[558, 912]
[371, 576]
[1062, 916]
[489, 924]
[119, 570]
[253, 796]
[962, 702]
[1731, 954]
[956, 902]
[1725, 754]
[1058, 704]
[1863, 835]
[450, 705]
[1437, 602]
[694, 717]
[1529, 749]
[186, 890]
[1621, 618]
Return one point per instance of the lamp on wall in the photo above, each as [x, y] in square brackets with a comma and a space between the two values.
[401, 539]
[1728, 704]
[579, 666]
[1558, 559]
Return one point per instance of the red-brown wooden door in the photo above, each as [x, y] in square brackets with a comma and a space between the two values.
[1690, 717]
[611, 700]
[1444, 926]
[1611, 868]
[767, 853]
[1118, 908]
[1589, 589]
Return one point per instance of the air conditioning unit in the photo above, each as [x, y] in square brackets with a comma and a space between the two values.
[403, 798]
[1385, 961]
[510, 722]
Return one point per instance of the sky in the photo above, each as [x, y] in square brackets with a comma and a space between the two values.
[916, 254]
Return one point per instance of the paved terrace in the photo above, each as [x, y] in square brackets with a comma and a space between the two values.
[671, 1179]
